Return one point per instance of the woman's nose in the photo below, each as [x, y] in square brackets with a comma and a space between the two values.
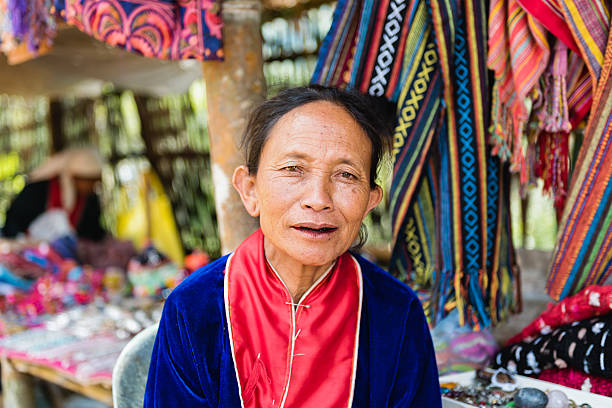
[317, 194]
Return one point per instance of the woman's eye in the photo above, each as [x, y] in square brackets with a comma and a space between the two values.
[348, 176]
[292, 169]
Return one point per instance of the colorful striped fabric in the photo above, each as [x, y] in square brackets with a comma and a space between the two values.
[518, 54]
[589, 22]
[550, 14]
[583, 252]
[449, 194]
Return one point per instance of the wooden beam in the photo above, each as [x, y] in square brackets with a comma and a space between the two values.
[233, 88]
[20, 374]
[271, 12]
[17, 387]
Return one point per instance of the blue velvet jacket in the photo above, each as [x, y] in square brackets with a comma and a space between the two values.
[192, 362]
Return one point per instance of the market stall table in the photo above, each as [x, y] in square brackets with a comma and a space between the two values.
[17, 383]
[76, 349]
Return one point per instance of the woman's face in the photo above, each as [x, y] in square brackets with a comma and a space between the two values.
[312, 190]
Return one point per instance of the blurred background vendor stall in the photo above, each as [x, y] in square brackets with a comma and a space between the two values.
[59, 198]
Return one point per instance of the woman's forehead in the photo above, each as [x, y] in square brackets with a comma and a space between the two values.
[319, 127]
[323, 111]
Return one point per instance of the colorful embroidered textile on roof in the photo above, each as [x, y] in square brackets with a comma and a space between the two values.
[583, 252]
[449, 195]
[163, 29]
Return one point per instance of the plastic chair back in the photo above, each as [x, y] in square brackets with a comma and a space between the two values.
[132, 368]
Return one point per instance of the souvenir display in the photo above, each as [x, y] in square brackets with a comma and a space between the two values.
[497, 388]
[40, 279]
[83, 342]
[150, 272]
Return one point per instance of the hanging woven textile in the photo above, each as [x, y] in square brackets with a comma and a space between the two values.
[583, 251]
[449, 195]
[518, 55]
[543, 84]
[163, 29]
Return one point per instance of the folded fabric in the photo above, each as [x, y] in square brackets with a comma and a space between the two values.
[20, 266]
[592, 301]
[6, 276]
[50, 225]
[106, 253]
[584, 345]
[66, 247]
[460, 348]
[579, 380]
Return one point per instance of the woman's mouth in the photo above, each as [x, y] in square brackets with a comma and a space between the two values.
[315, 231]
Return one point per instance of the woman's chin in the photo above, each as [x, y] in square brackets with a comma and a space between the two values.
[316, 257]
[303, 252]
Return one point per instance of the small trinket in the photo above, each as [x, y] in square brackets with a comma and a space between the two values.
[447, 387]
[586, 385]
[502, 379]
[557, 399]
[484, 375]
[530, 398]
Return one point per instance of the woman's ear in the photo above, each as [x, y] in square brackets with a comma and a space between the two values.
[244, 183]
[376, 195]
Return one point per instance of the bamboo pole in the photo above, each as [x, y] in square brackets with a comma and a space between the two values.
[233, 87]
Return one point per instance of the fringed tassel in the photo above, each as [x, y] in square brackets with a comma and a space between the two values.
[561, 171]
[518, 164]
[553, 116]
[553, 166]
[552, 162]
[500, 127]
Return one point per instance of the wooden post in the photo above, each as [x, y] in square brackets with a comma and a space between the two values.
[56, 125]
[17, 388]
[233, 87]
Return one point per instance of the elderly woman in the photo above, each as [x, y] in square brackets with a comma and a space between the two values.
[292, 318]
[66, 181]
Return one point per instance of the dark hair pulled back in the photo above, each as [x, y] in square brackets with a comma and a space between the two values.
[372, 115]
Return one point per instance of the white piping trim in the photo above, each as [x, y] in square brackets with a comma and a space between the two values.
[282, 404]
[356, 355]
[293, 310]
[314, 285]
[229, 324]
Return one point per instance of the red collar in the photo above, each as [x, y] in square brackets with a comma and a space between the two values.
[292, 357]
